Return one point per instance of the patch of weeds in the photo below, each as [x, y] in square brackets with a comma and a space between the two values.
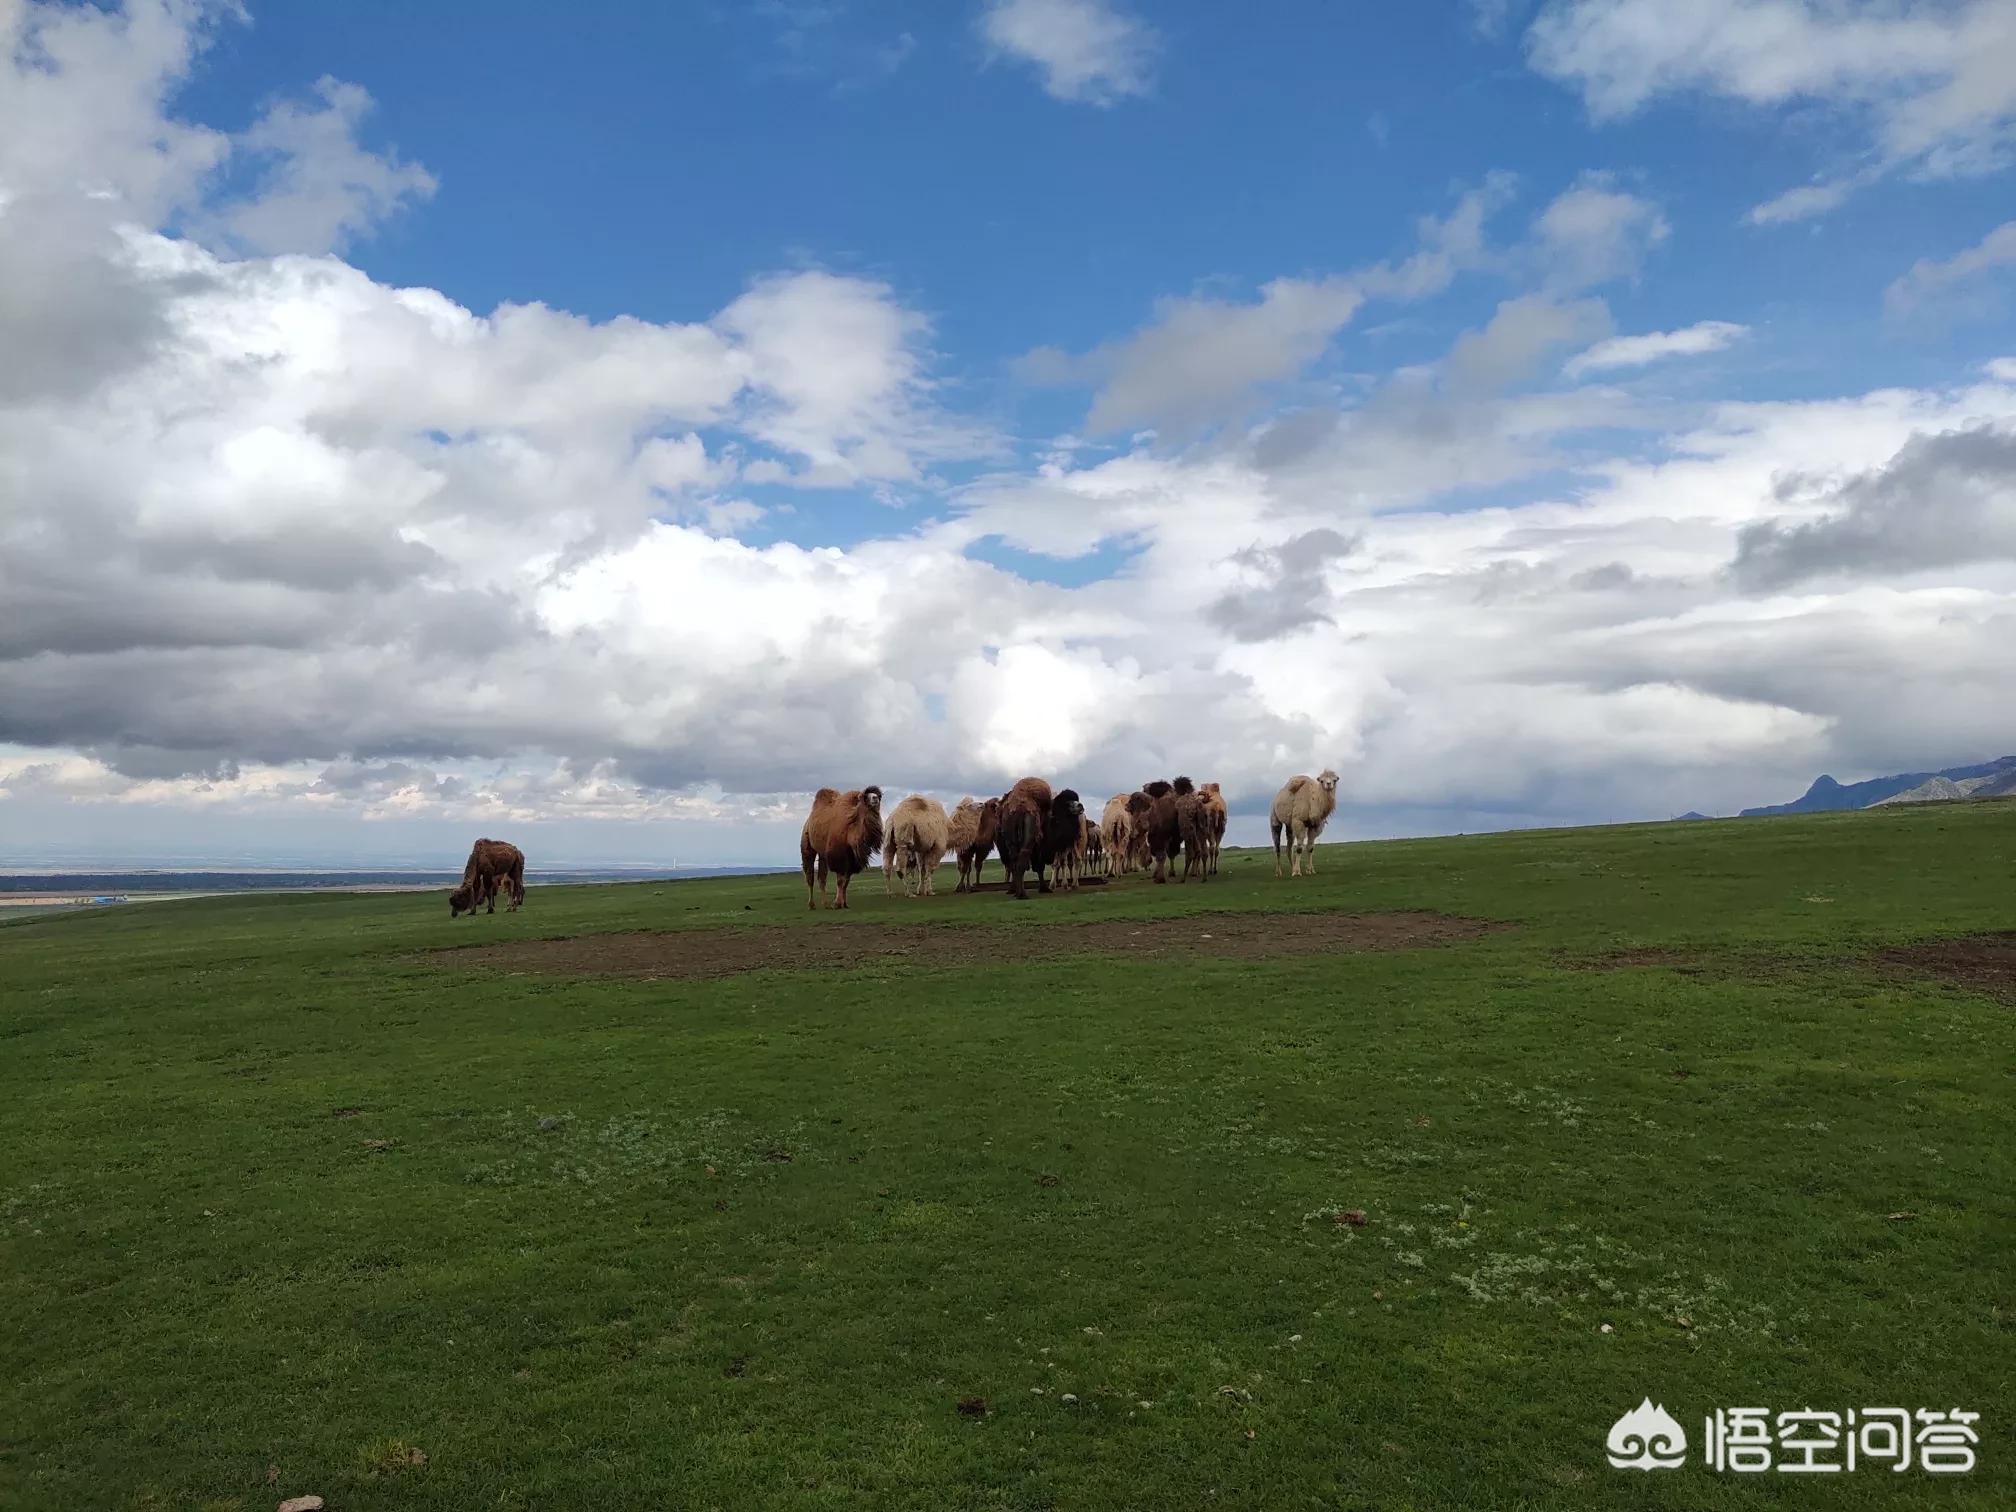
[390, 1457]
[1564, 1270]
[924, 1219]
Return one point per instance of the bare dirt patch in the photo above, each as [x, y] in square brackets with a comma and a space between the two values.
[1982, 963]
[1683, 961]
[698, 954]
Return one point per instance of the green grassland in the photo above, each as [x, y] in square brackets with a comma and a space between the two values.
[748, 1242]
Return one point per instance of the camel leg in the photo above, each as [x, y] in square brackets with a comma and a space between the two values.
[1274, 828]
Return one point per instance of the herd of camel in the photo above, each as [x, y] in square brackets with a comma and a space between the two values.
[1035, 828]
[1030, 826]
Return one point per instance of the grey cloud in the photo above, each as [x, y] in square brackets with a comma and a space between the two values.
[1413, 441]
[1610, 575]
[317, 557]
[1290, 592]
[1944, 500]
[146, 763]
[1968, 271]
[72, 312]
[1519, 337]
[1203, 361]
[368, 779]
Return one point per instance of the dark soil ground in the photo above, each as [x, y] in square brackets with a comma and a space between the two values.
[703, 953]
[1686, 962]
[1980, 963]
[1983, 963]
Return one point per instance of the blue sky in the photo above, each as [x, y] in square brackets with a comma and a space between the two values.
[641, 160]
[1057, 325]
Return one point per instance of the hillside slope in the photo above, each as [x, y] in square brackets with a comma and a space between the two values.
[1828, 796]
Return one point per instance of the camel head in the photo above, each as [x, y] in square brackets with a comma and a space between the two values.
[872, 796]
[461, 901]
[1068, 805]
[1328, 781]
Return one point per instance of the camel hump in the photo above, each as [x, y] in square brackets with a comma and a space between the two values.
[826, 795]
[1296, 784]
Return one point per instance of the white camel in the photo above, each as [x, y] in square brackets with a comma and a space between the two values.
[919, 835]
[1302, 808]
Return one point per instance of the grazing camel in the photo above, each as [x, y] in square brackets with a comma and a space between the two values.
[1302, 808]
[840, 834]
[493, 866]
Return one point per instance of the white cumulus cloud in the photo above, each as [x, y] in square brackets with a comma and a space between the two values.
[1655, 346]
[1934, 80]
[1087, 51]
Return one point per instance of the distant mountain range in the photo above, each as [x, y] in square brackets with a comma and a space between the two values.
[1990, 779]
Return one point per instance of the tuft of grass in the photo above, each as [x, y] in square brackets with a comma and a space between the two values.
[390, 1457]
[1393, 1229]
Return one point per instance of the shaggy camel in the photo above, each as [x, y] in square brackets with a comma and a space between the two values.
[1074, 847]
[840, 834]
[493, 866]
[1165, 831]
[1139, 807]
[1302, 808]
[918, 839]
[1193, 828]
[1025, 810]
[1116, 831]
[1216, 811]
[1058, 846]
[971, 834]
